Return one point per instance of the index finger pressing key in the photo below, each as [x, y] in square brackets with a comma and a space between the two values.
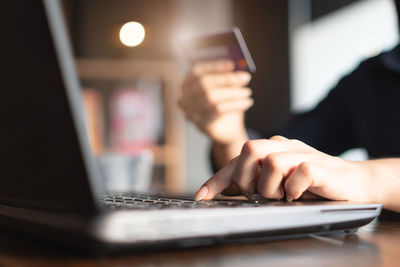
[217, 183]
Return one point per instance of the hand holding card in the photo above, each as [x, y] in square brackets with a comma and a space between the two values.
[222, 45]
[215, 93]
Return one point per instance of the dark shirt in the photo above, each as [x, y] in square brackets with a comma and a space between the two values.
[363, 110]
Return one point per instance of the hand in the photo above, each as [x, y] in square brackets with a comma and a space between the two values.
[278, 165]
[214, 97]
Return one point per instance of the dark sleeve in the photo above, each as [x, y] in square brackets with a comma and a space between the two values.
[327, 127]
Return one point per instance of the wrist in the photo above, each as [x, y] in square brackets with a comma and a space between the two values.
[238, 139]
[225, 151]
[377, 189]
[233, 146]
[372, 190]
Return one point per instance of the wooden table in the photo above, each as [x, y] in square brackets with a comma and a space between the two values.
[377, 244]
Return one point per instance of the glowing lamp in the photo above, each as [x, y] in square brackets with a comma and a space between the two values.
[132, 34]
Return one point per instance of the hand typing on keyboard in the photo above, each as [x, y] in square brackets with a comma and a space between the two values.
[279, 166]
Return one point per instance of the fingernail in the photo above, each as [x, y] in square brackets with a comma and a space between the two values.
[289, 199]
[202, 193]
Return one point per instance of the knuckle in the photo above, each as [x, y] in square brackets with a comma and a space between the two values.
[306, 169]
[277, 137]
[272, 162]
[296, 143]
[249, 148]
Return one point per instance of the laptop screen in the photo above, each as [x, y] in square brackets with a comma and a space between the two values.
[41, 160]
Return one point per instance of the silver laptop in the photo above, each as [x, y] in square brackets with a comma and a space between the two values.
[50, 185]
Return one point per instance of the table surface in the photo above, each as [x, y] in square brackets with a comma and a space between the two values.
[377, 244]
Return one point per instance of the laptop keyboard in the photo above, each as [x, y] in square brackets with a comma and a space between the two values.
[153, 202]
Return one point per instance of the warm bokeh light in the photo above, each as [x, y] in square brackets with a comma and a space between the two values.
[132, 34]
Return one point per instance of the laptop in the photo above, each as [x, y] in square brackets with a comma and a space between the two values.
[50, 184]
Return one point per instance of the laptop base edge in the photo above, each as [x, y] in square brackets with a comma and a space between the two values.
[87, 242]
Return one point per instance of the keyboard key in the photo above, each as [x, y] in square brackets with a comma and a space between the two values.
[154, 202]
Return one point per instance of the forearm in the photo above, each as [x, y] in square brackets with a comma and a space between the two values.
[223, 153]
[385, 182]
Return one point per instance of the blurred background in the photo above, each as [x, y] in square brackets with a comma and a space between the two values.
[300, 47]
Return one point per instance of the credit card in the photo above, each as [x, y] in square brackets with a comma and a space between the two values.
[222, 45]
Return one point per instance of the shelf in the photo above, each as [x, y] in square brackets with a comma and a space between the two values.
[125, 70]
[171, 154]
